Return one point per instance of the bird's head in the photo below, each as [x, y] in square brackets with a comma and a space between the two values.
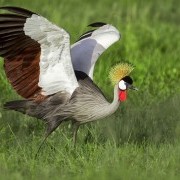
[119, 77]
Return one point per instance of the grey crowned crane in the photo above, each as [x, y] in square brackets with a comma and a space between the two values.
[55, 78]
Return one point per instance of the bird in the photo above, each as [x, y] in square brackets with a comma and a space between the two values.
[56, 78]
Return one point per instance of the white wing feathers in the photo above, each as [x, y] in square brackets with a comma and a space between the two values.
[85, 52]
[106, 35]
[56, 71]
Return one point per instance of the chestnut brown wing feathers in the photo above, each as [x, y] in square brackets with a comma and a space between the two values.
[21, 53]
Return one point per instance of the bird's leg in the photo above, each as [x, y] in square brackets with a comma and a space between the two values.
[75, 127]
[51, 126]
[40, 146]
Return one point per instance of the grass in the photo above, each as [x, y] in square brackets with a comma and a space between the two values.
[141, 140]
[91, 161]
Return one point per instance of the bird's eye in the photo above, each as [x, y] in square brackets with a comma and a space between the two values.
[122, 85]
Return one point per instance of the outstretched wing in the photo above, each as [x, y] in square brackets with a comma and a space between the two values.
[91, 45]
[37, 54]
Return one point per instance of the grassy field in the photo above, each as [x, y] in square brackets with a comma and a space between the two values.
[142, 139]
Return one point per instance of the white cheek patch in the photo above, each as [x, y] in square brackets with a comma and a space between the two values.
[122, 85]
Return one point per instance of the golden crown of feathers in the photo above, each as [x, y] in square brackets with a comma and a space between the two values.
[119, 71]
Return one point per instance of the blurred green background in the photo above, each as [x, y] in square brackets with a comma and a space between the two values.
[141, 140]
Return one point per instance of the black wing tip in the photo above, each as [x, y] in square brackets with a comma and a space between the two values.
[97, 24]
[18, 10]
[89, 33]
[86, 35]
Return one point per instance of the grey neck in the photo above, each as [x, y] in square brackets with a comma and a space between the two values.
[110, 108]
[116, 94]
[115, 104]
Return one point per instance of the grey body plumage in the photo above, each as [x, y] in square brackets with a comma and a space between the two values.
[86, 104]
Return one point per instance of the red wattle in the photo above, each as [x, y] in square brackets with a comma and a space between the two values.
[122, 95]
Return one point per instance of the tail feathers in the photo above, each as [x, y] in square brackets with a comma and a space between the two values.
[39, 111]
[19, 105]
[35, 110]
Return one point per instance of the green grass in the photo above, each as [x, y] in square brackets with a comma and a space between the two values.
[142, 139]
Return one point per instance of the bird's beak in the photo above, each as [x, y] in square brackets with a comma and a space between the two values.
[133, 87]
